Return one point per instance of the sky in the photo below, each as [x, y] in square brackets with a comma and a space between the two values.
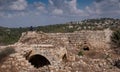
[25, 13]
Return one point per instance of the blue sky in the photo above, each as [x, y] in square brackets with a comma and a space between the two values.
[22, 13]
[83, 3]
[44, 1]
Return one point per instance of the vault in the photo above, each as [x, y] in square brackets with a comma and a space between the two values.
[86, 48]
[39, 61]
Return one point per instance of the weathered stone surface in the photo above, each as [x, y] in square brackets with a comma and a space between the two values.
[61, 50]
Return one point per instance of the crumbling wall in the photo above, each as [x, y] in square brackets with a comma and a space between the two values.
[97, 39]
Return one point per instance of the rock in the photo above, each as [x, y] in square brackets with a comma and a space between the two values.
[3, 66]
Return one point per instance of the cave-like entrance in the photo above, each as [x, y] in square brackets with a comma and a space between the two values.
[39, 61]
[86, 48]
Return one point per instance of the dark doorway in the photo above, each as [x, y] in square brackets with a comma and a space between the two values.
[86, 48]
[39, 61]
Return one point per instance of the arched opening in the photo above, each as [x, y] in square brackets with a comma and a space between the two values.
[39, 61]
[86, 48]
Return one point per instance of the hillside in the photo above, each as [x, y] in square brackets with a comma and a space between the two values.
[11, 35]
[90, 24]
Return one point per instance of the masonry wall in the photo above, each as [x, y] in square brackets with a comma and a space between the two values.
[96, 39]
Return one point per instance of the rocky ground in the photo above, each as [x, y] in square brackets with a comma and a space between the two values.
[75, 60]
[90, 61]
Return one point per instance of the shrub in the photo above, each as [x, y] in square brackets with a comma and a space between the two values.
[6, 52]
[115, 41]
[80, 53]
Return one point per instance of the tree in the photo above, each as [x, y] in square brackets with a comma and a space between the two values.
[31, 28]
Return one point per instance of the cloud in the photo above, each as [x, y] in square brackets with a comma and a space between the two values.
[20, 12]
[68, 7]
[99, 8]
[60, 8]
[104, 8]
[39, 6]
[19, 5]
[4, 4]
[72, 5]
[57, 11]
[9, 8]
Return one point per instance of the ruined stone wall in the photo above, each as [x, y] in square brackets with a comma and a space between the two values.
[96, 39]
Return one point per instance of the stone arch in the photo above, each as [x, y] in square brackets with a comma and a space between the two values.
[86, 46]
[39, 61]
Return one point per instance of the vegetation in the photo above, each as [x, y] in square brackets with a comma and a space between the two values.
[6, 52]
[80, 53]
[11, 35]
[115, 41]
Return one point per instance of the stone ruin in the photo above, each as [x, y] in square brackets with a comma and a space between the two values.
[58, 52]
